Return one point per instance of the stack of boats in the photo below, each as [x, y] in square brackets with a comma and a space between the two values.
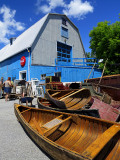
[73, 124]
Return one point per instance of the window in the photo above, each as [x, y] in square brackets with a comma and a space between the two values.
[23, 75]
[64, 21]
[58, 74]
[64, 32]
[63, 52]
[43, 76]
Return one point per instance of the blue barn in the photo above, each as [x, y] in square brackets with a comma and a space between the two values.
[51, 47]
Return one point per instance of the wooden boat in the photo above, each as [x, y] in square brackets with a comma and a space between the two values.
[97, 109]
[101, 96]
[92, 90]
[69, 99]
[67, 136]
[109, 84]
[44, 103]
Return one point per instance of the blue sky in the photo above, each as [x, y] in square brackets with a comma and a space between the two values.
[18, 15]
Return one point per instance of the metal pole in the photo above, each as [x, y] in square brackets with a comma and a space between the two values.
[28, 65]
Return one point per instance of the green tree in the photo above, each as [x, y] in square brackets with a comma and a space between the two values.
[105, 44]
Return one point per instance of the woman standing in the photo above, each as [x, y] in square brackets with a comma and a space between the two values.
[7, 89]
[1, 87]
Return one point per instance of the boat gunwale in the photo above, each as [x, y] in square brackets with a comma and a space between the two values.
[69, 111]
[59, 102]
[73, 153]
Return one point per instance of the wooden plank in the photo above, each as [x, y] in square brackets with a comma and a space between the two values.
[45, 125]
[37, 126]
[71, 94]
[52, 123]
[66, 94]
[94, 149]
[46, 133]
[54, 94]
[73, 102]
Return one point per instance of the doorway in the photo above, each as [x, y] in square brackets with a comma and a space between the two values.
[23, 75]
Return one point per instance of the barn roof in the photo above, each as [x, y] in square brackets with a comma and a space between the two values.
[26, 39]
[22, 42]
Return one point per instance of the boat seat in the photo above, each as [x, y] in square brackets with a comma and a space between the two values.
[56, 122]
[67, 94]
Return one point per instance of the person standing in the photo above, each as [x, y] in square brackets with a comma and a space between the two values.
[23, 87]
[7, 89]
[1, 87]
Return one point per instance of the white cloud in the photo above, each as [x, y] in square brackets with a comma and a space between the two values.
[75, 8]
[78, 9]
[49, 6]
[8, 25]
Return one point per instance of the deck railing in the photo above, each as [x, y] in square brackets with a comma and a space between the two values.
[78, 62]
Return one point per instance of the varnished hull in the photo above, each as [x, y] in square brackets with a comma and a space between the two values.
[109, 84]
[69, 99]
[92, 90]
[48, 105]
[71, 137]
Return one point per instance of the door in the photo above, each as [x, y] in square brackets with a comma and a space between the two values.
[23, 75]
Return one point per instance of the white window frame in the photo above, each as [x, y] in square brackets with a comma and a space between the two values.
[43, 76]
[20, 74]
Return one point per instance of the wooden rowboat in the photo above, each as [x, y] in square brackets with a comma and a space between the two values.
[69, 99]
[44, 103]
[109, 84]
[101, 96]
[92, 90]
[98, 109]
[67, 136]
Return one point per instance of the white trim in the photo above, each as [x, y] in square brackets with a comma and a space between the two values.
[20, 73]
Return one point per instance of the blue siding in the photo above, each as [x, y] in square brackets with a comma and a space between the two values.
[11, 68]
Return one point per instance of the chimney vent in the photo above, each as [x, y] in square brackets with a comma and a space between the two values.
[12, 40]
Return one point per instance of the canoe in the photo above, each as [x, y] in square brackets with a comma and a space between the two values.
[69, 99]
[109, 84]
[44, 103]
[67, 136]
